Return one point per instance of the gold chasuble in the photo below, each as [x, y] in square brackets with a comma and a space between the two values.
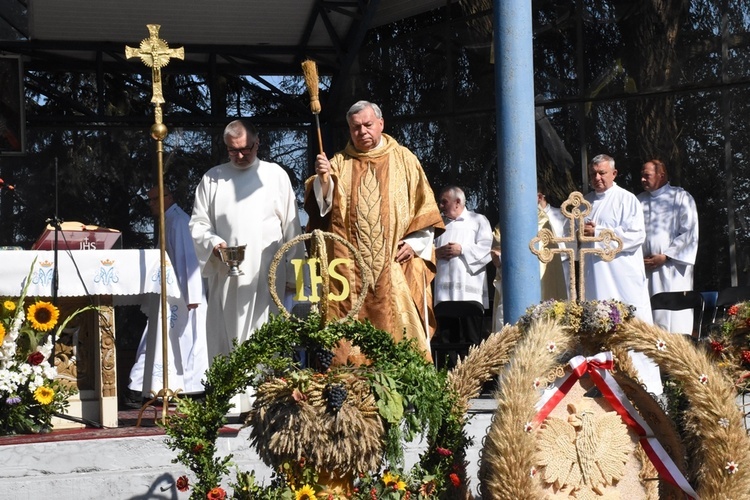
[380, 197]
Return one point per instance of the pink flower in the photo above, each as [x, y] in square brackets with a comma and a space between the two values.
[455, 480]
[443, 452]
[732, 311]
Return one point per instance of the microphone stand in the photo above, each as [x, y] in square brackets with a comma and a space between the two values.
[56, 222]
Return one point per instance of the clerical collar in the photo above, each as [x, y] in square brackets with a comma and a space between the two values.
[661, 190]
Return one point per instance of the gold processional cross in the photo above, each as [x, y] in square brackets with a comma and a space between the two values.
[575, 209]
[155, 53]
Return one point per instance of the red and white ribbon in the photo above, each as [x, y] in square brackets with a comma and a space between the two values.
[598, 367]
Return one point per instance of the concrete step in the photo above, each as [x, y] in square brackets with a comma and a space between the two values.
[140, 467]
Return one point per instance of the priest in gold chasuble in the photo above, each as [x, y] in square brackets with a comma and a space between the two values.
[375, 195]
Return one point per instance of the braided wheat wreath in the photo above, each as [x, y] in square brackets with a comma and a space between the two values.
[717, 464]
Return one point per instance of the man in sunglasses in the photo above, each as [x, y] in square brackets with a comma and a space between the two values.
[245, 201]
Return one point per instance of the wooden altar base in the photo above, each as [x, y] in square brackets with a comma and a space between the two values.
[128, 462]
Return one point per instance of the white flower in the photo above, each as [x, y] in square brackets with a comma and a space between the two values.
[25, 369]
[50, 372]
[17, 322]
[537, 383]
[703, 379]
[36, 382]
[724, 422]
[532, 473]
[46, 348]
[551, 347]
[528, 427]
[661, 345]
[732, 467]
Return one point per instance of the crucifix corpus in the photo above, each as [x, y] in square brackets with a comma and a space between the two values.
[155, 53]
[545, 244]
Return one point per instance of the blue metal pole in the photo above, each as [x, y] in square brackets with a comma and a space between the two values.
[516, 154]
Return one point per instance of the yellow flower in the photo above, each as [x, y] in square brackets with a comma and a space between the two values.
[9, 305]
[43, 316]
[559, 309]
[2, 333]
[45, 395]
[305, 493]
[393, 481]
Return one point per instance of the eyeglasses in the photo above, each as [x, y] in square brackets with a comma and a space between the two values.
[245, 151]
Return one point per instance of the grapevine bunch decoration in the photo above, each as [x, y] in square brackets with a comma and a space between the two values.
[335, 395]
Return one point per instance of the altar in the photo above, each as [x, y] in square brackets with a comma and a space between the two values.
[85, 353]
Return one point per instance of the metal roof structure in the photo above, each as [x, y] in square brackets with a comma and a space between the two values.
[230, 37]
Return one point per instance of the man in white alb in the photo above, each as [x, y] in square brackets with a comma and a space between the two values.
[463, 252]
[671, 241]
[623, 278]
[250, 202]
[187, 356]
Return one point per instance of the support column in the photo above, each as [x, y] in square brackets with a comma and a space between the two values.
[516, 154]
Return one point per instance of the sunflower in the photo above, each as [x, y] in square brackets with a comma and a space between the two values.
[44, 395]
[305, 493]
[43, 316]
[393, 481]
[9, 305]
[2, 333]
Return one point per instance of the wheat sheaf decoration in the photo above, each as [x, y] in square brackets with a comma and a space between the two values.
[714, 455]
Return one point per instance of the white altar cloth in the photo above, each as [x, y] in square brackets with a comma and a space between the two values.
[104, 278]
[125, 274]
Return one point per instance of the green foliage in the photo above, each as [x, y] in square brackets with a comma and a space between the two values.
[412, 397]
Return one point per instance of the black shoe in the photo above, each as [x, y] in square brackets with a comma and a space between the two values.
[132, 399]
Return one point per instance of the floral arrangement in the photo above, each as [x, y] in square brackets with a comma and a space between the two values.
[395, 391]
[593, 318]
[729, 344]
[30, 394]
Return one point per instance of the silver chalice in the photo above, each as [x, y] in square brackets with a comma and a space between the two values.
[233, 257]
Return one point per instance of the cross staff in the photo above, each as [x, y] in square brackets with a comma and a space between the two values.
[575, 209]
[155, 53]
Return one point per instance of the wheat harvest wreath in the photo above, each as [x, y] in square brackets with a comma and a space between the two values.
[327, 432]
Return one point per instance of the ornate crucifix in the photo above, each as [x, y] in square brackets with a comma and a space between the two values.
[155, 53]
[545, 245]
